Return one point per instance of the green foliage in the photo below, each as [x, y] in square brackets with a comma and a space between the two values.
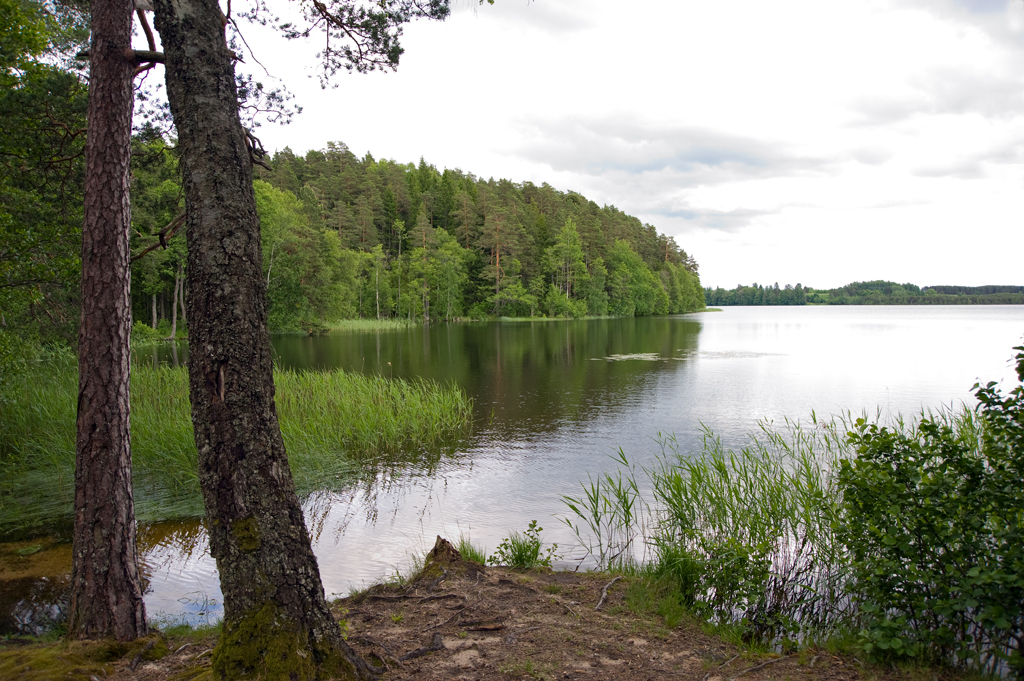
[934, 526]
[524, 550]
[42, 145]
[476, 248]
[633, 288]
[310, 278]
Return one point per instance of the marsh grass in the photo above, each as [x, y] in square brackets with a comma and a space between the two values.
[397, 324]
[336, 426]
[738, 538]
[470, 551]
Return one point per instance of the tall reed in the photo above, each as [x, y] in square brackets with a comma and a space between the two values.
[759, 521]
[335, 426]
[745, 536]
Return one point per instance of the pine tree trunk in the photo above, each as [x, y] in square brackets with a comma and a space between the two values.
[106, 592]
[154, 311]
[276, 620]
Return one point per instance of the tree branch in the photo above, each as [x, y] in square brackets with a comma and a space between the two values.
[163, 235]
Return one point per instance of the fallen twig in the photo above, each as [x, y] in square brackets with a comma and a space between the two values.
[138, 658]
[371, 642]
[435, 645]
[387, 598]
[439, 597]
[759, 666]
[604, 592]
[728, 662]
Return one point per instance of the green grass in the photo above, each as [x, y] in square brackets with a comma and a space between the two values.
[396, 324]
[470, 551]
[336, 426]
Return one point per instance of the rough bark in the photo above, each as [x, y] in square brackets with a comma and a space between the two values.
[276, 620]
[106, 595]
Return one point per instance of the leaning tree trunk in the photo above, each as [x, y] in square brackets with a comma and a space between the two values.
[277, 624]
[106, 592]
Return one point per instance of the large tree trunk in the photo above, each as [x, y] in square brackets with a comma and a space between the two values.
[106, 593]
[276, 620]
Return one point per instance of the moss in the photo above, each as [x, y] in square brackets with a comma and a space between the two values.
[247, 533]
[71, 660]
[265, 645]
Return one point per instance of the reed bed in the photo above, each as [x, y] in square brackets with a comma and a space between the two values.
[742, 537]
[758, 525]
[360, 324]
[335, 425]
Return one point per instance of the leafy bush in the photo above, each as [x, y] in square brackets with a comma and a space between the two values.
[144, 333]
[933, 521]
[524, 550]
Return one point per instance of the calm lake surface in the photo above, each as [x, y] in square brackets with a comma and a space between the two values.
[554, 401]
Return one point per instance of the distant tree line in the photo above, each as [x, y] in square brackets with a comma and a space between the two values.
[756, 294]
[867, 293]
[346, 237]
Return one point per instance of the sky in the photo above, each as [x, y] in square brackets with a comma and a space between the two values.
[793, 141]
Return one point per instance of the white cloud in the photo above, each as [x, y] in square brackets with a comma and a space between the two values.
[791, 141]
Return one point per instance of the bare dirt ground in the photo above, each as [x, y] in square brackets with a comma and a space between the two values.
[460, 621]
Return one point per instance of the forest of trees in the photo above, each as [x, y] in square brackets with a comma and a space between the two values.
[867, 293]
[348, 237]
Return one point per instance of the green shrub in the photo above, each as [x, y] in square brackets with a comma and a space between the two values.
[144, 333]
[524, 550]
[933, 521]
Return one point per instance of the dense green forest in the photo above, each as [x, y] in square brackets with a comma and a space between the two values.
[866, 293]
[42, 142]
[347, 237]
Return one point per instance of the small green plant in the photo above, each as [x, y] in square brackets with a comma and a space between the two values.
[524, 550]
[553, 588]
[470, 551]
[397, 617]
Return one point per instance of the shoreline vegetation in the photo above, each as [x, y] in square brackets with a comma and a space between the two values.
[866, 293]
[337, 427]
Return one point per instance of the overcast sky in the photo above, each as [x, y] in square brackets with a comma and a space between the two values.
[785, 141]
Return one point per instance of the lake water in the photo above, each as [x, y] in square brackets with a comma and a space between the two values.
[555, 399]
